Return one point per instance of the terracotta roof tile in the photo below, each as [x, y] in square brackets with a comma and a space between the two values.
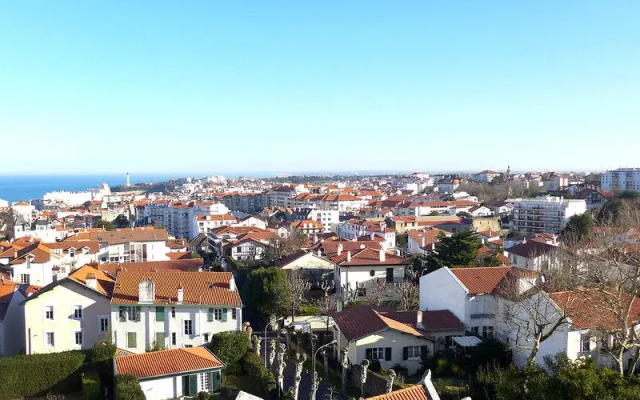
[167, 362]
[104, 283]
[415, 392]
[588, 309]
[358, 322]
[179, 265]
[480, 280]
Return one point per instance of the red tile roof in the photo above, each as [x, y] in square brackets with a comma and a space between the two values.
[367, 256]
[415, 392]
[358, 322]
[179, 265]
[104, 282]
[205, 288]
[165, 362]
[588, 309]
[480, 280]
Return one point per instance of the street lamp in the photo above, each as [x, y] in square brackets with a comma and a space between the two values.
[331, 343]
[265, 341]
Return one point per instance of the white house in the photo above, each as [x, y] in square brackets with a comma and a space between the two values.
[11, 319]
[423, 241]
[250, 220]
[534, 255]
[174, 373]
[30, 262]
[171, 309]
[129, 244]
[480, 211]
[368, 334]
[69, 314]
[75, 254]
[206, 223]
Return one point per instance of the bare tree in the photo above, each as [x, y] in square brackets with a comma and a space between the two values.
[377, 291]
[328, 300]
[408, 292]
[298, 286]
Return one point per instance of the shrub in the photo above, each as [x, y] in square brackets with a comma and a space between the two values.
[128, 388]
[308, 309]
[230, 347]
[91, 385]
[253, 367]
[38, 374]
[375, 366]
[356, 303]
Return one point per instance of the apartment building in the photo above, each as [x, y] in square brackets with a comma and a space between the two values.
[621, 179]
[129, 244]
[171, 309]
[546, 214]
[180, 218]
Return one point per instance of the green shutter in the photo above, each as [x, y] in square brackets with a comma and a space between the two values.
[131, 340]
[215, 381]
[405, 353]
[185, 385]
[123, 314]
[159, 340]
[224, 315]
[138, 312]
[193, 385]
[160, 314]
[210, 315]
[387, 353]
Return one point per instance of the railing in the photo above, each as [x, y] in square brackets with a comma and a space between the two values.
[481, 315]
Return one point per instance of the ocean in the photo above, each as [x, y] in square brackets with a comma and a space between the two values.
[29, 187]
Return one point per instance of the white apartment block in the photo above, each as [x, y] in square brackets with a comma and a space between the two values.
[546, 214]
[179, 218]
[169, 309]
[128, 244]
[621, 179]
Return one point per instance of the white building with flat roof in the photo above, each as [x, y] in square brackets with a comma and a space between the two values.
[545, 214]
[621, 179]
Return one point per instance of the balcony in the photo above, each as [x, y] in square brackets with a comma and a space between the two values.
[481, 315]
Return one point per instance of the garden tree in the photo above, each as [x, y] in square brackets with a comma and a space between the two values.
[408, 292]
[464, 214]
[326, 303]
[298, 287]
[7, 223]
[578, 227]
[230, 347]
[530, 315]
[282, 247]
[106, 225]
[121, 222]
[376, 292]
[459, 249]
[488, 260]
[609, 277]
[434, 214]
[266, 291]
[402, 242]
[609, 214]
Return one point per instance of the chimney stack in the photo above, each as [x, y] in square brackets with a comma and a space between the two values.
[92, 281]
[232, 283]
[419, 323]
[382, 255]
[146, 290]
[180, 293]
[340, 248]
[348, 256]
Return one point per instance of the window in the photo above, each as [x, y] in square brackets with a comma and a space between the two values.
[206, 337]
[131, 340]
[487, 331]
[448, 341]
[72, 252]
[218, 313]
[188, 327]
[411, 353]
[78, 337]
[376, 353]
[24, 278]
[234, 313]
[475, 330]
[372, 273]
[173, 338]
[585, 343]
[188, 346]
[48, 312]
[77, 312]
[104, 324]
[159, 314]
[50, 339]
[173, 312]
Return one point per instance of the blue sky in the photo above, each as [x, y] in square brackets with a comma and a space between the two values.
[214, 86]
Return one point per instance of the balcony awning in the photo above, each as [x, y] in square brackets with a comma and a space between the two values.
[466, 341]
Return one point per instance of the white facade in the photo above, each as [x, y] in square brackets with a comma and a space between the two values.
[53, 322]
[363, 277]
[138, 327]
[545, 214]
[621, 179]
[152, 250]
[12, 326]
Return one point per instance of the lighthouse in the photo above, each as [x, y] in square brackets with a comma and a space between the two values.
[128, 182]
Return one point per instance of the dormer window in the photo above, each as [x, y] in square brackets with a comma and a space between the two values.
[72, 252]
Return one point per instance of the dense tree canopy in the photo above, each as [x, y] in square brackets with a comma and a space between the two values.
[579, 227]
[460, 249]
[106, 225]
[267, 291]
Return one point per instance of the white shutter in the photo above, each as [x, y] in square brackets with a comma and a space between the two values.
[197, 323]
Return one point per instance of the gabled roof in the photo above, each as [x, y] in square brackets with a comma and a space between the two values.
[167, 362]
[367, 256]
[358, 322]
[414, 392]
[432, 320]
[129, 235]
[7, 289]
[203, 288]
[590, 309]
[104, 283]
[93, 245]
[532, 248]
[480, 280]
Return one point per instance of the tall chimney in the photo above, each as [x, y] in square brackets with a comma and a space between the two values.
[340, 248]
[348, 256]
[92, 281]
[232, 283]
[180, 293]
[419, 323]
[382, 255]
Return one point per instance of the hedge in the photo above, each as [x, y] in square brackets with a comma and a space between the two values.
[91, 385]
[128, 388]
[39, 374]
[253, 366]
[230, 347]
